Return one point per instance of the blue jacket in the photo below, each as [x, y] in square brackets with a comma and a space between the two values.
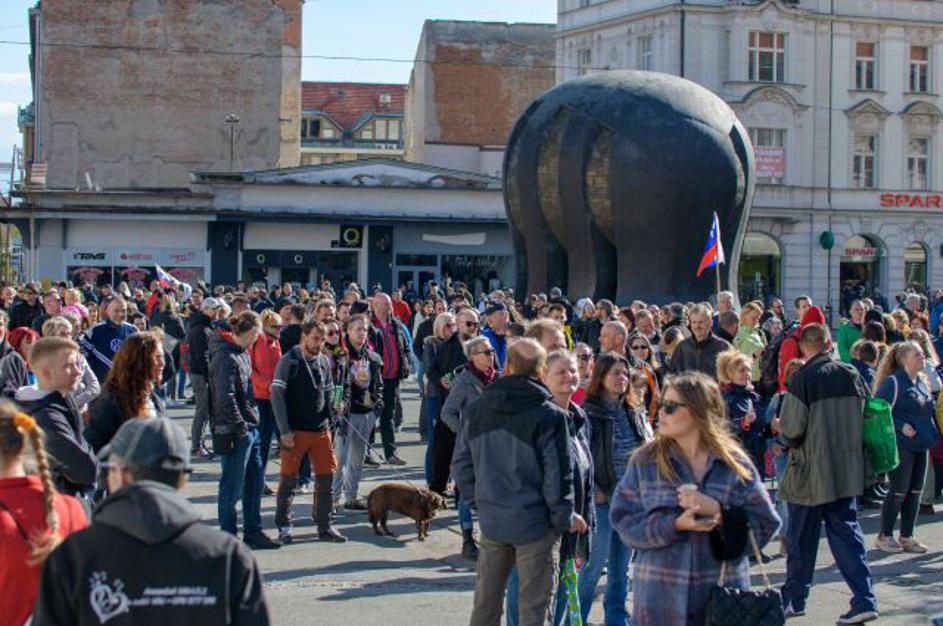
[100, 343]
[912, 405]
[866, 371]
[499, 343]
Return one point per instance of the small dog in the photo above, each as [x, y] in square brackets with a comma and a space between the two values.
[415, 502]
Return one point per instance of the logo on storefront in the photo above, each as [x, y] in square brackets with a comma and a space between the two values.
[89, 256]
[350, 237]
[298, 259]
[912, 200]
[867, 254]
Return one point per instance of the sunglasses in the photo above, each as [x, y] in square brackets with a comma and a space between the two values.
[669, 406]
[471, 324]
[640, 347]
[332, 333]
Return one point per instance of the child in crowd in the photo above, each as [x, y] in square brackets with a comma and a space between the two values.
[779, 452]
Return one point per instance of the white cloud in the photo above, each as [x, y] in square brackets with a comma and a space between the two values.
[14, 78]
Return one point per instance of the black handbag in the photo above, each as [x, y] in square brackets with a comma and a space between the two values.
[728, 606]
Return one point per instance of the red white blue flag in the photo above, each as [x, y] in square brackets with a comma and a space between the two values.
[169, 282]
[713, 250]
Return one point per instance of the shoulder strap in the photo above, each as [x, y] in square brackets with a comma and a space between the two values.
[896, 389]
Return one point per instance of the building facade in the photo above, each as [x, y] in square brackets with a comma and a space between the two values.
[843, 106]
[469, 84]
[351, 121]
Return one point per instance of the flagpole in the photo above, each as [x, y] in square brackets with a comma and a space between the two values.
[717, 273]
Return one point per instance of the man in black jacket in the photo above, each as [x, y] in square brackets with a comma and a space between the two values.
[199, 331]
[291, 334]
[512, 463]
[388, 337]
[699, 351]
[55, 361]
[27, 309]
[302, 400]
[146, 559]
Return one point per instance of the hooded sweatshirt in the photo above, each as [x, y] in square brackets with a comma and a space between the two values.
[146, 559]
[789, 349]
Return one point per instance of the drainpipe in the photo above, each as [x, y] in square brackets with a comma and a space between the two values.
[683, 17]
[831, 92]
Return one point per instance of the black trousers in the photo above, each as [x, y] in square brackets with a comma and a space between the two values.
[443, 446]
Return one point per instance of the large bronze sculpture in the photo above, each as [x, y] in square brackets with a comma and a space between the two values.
[611, 181]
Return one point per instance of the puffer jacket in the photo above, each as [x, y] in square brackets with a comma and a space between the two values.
[199, 331]
[233, 409]
[821, 421]
[466, 388]
[602, 439]
[512, 462]
[911, 403]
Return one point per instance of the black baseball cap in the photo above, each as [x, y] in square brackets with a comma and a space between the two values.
[152, 442]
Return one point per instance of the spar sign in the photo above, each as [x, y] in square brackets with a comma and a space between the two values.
[912, 200]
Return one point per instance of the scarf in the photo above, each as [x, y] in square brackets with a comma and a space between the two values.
[486, 377]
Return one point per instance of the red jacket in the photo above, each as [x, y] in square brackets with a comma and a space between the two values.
[789, 349]
[22, 511]
[265, 354]
[401, 310]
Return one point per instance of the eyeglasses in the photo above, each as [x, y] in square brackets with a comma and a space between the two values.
[489, 351]
[670, 406]
[584, 357]
[332, 333]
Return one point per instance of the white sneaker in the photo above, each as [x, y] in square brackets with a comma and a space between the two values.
[887, 544]
[909, 544]
[284, 534]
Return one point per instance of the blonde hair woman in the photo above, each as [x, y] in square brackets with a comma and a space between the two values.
[691, 479]
[901, 381]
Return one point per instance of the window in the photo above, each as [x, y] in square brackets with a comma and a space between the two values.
[310, 127]
[645, 55]
[915, 266]
[863, 168]
[366, 133]
[918, 152]
[767, 57]
[584, 59]
[919, 69]
[380, 126]
[770, 151]
[394, 128]
[327, 133]
[760, 267]
[865, 64]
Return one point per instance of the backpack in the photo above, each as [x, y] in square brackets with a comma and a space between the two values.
[769, 367]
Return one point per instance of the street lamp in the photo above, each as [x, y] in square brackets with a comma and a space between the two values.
[232, 119]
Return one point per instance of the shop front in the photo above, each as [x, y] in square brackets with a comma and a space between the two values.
[860, 270]
[760, 268]
[135, 266]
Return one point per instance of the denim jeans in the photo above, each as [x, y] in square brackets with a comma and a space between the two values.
[181, 384]
[241, 479]
[267, 429]
[465, 520]
[608, 549]
[201, 410]
[433, 407]
[780, 462]
[388, 416]
[350, 450]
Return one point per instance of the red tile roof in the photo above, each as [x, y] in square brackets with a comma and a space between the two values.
[346, 102]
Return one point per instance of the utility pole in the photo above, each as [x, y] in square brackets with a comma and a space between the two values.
[232, 119]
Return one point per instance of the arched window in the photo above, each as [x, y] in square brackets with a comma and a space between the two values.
[915, 266]
[760, 267]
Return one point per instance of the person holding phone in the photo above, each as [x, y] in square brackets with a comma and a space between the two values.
[687, 502]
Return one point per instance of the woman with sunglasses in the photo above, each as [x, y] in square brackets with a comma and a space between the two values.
[469, 383]
[584, 364]
[641, 348]
[336, 352]
[618, 425]
[439, 359]
[265, 353]
[687, 502]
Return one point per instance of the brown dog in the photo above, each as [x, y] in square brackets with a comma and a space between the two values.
[415, 502]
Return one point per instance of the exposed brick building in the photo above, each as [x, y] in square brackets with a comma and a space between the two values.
[470, 82]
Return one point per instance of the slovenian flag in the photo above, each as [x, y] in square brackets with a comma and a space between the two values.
[167, 281]
[714, 250]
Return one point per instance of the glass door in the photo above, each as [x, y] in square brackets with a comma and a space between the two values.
[416, 278]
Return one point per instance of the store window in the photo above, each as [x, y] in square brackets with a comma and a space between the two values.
[915, 266]
[918, 155]
[760, 267]
[584, 59]
[919, 69]
[860, 267]
[865, 65]
[478, 272]
[645, 53]
[767, 57]
[863, 164]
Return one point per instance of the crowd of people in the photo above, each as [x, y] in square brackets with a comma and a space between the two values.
[581, 438]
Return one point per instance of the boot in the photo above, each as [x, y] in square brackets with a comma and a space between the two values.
[469, 545]
[283, 500]
[323, 501]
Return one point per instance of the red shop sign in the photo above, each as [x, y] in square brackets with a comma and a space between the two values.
[912, 200]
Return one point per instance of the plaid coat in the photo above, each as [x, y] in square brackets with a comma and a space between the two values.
[674, 571]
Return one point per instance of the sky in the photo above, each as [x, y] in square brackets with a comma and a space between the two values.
[357, 28]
